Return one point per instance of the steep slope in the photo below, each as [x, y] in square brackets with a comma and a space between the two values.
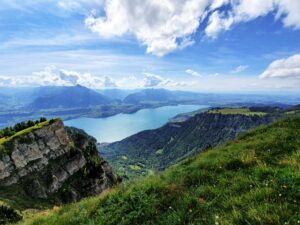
[68, 97]
[252, 180]
[160, 148]
[43, 165]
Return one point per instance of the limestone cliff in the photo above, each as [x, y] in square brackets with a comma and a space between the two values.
[52, 164]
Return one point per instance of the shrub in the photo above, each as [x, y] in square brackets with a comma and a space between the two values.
[8, 215]
[43, 119]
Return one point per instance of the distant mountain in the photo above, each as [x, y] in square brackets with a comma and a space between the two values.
[160, 95]
[68, 97]
[118, 94]
[214, 99]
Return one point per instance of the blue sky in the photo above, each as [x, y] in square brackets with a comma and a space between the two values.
[202, 45]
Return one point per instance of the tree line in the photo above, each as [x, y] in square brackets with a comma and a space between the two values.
[9, 131]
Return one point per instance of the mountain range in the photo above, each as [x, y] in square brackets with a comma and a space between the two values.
[68, 102]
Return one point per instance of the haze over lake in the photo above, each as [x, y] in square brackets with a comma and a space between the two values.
[118, 127]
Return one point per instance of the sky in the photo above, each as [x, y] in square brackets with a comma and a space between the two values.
[197, 45]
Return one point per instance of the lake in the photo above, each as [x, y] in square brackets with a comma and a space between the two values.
[120, 126]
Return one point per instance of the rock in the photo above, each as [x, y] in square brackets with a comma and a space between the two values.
[49, 163]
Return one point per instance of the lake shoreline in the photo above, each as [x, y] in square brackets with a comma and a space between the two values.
[122, 125]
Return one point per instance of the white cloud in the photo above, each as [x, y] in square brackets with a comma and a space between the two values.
[283, 68]
[154, 80]
[52, 76]
[239, 69]
[246, 10]
[109, 82]
[162, 25]
[289, 10]
[167, 25]
[193, 73]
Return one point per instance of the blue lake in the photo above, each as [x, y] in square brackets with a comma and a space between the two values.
[120, 126]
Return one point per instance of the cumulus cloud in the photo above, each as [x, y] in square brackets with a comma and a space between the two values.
[154, 80]
[239, 69]
[193, 73]
[52, 76]
[246, 10]
[162, 26]
[283, 68]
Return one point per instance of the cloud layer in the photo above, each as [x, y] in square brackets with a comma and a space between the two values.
[52, 76]
[283, 68]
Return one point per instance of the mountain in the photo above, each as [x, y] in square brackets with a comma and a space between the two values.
[164, 96]
[157, 149]
[160, 95]
[117, 94]
[251, 180]
[46, 165]
[68, 97]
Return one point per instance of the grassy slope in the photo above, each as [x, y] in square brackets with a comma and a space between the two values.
[25, 131]
[242, 111]
[252, 180]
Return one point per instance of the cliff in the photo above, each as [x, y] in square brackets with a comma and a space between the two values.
[51, 165]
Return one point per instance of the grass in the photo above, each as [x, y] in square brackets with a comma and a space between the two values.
[252, 180]
[25, 131]
[234, 111]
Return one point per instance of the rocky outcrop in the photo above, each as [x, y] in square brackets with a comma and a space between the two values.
[51, 163]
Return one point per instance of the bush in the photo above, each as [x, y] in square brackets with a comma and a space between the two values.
[43, 119]
[8, 215]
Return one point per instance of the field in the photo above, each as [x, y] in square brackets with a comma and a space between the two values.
[241, 111]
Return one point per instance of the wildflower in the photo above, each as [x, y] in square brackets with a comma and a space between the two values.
[201, 200]
[216, 223]
[284, 186]
[280, 195]
[217, 217]
[190, 210]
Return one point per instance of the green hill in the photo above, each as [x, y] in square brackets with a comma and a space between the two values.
[252, 180]
[152, 150]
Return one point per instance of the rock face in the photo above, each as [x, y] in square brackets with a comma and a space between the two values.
[51, 163]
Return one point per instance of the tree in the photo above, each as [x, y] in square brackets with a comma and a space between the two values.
[43, 119]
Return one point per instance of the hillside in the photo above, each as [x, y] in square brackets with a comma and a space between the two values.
[152, 150]
[252, 180]
[46, 165]
[68, 97]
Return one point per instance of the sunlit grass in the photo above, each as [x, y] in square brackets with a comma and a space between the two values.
[241, 111]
